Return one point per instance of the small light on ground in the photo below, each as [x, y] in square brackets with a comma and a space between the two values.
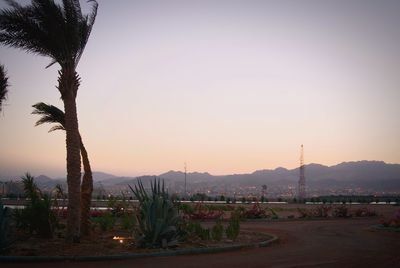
[121, 238]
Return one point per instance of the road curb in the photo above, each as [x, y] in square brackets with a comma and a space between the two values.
[380, 227]
[165, 253]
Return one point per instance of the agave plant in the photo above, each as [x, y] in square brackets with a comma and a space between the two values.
[158, 220]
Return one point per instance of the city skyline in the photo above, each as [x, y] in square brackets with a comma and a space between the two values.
[227, 86]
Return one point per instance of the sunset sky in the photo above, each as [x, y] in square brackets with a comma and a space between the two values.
[226, 86]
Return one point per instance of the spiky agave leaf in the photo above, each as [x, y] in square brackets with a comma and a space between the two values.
[158, 218]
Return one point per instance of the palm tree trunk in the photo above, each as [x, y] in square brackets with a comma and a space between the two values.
[86, 192]
[68, 86]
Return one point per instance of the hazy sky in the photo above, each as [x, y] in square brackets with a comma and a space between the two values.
[227, 86]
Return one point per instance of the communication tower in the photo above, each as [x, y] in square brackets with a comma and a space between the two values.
[185, 179]
[302, 179]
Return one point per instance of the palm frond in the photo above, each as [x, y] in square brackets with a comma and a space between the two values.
[49, 114]
[12, 3]
[47, 28]
[3, 85]
[87, 27]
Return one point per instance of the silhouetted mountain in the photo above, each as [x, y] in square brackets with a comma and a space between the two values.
[100, 176]
[375, 175]
[364, 174]
[180, 176]
[47, 183]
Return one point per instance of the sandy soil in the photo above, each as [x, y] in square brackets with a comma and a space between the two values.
[322, 243]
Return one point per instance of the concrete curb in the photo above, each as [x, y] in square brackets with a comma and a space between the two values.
[168, 252]
[380, 227]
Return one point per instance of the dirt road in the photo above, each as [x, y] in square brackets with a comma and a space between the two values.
[330, 243]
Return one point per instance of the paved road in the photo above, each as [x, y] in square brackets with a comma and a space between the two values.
[331, 243]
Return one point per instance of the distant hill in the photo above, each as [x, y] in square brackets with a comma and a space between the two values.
[101, 176]
[180, 176]
[375, 175]
[371, 174]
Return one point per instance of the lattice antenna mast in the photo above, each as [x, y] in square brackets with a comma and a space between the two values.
[185, 178]
[302, 179]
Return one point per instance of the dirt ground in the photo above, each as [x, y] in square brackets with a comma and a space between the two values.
[315, 243]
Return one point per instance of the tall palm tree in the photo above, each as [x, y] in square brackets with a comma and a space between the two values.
[3, 86]
[60, 32]
[52, 114]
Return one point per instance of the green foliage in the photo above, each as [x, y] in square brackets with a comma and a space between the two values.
[217, 231]
[204, 234]
[4, 227]
[37, 217]
[128, 221]
[233, 229]
[186, 208]
[274, 215]
[195, 229]
[111, 202]
[158, 219]
[105, 221]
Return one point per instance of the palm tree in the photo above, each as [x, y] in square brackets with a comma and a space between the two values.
[3, 85]
[60, 32]
[52, 114]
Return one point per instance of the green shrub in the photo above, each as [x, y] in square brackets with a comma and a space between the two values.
[158, 219]
[239, 212]
[233, 229]
[128, 221]
[37, 217]
[194, 230]
[202, 233]
[217, 231]
[274, 215]
[106, 221]
[186, 208]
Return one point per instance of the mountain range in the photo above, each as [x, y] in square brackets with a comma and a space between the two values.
[367, 175]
